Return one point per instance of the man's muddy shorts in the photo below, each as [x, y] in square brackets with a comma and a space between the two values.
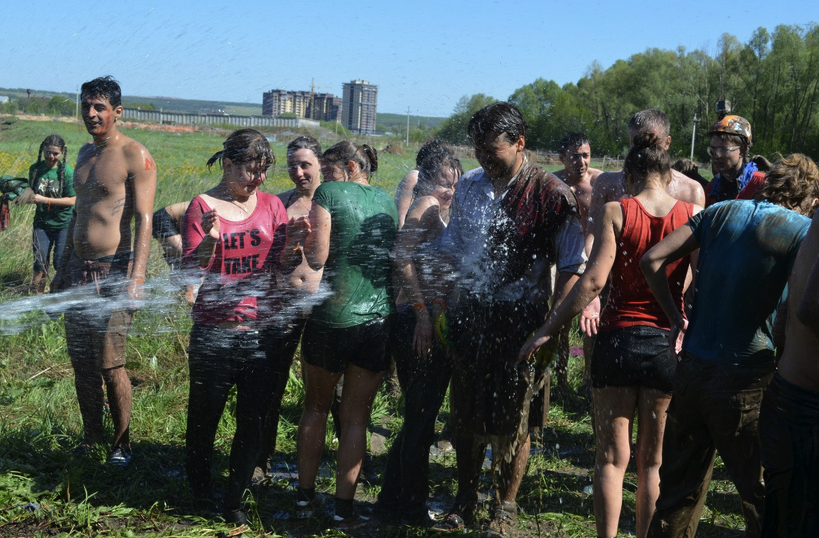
[97, 325]
[363, 345]
[633, 356]
[789, 435]
[490, 395]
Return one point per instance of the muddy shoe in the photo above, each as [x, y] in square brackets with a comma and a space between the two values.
[504, 521]
[238, 517]
[120, 457]
[354, 521]
[308, 509]
[452, 522]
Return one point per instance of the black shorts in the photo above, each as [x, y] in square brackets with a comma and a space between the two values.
[364, 345]
[163, 225]
[637, 355]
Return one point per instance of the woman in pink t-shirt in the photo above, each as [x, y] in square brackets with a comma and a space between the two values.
[233, 237]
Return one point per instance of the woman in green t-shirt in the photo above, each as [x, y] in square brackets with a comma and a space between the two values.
[352, 231]
[52, 180]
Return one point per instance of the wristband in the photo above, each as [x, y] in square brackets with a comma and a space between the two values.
[440, 302]
[417, 307]
[137, 279]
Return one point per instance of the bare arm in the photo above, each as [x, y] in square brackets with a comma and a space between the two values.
[317, 242]
[403, 195]
[142, 171]
[808, 310]
[588, 286]
[418, 229]
[67, 201]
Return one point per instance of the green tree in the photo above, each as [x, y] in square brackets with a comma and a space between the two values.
[453, 129]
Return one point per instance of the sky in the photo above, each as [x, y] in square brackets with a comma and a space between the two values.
[423, 55]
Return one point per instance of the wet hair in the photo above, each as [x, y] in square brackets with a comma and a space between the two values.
[500, 117]
[646, 157]
[106, 87]
[651, 118]
[364, 156]
[572, 140]
[433, 157]
[792, 181]
[51, 140]
[244, 146]
[304, 142]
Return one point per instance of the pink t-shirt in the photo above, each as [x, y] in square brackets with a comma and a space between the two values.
[240, 282]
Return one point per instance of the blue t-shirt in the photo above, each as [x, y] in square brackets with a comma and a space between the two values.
[747, 251]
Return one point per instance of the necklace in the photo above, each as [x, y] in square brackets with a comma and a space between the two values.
[237, 203]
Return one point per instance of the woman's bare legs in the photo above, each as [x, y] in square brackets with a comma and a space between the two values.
[652, 406]
[613, 422]
[319, 384]
[360, 387]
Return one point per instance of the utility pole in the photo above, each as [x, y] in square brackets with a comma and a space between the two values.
[693, 135]
[408, 112]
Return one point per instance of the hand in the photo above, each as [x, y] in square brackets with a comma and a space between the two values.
[136, 292]
[298, 228]
[422, 340]
[210, 224]
[590, 317]
[534, 342]
[675, 337]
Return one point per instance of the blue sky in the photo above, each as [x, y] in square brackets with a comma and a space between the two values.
[423, 55]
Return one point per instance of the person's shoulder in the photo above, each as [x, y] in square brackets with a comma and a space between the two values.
[594, 174]
[409, 180]
[285, 196]
[690, 189]
[609, 180]
[476, 174]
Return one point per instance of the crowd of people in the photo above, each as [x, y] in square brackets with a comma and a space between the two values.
[689, 296]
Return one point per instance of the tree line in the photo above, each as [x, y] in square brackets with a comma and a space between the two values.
[772, 81]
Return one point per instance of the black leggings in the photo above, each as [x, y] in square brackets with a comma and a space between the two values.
[219, 359]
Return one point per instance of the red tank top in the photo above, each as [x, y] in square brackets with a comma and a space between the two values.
[630, 299]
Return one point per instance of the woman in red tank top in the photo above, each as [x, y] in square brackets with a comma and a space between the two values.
[632, 364]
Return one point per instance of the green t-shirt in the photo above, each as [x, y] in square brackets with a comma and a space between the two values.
[46, 183]
[358, 270]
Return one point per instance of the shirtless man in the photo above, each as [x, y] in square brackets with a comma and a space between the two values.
[575, 155]
[790, 410]
[115, 180]
[610, 186]
[303, 166]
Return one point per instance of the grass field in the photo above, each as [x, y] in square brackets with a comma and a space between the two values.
[45, 490]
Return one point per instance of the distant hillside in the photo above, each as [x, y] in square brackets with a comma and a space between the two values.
[397, 123]
[385, 122]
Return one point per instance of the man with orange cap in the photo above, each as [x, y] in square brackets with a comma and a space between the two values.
[736, 177]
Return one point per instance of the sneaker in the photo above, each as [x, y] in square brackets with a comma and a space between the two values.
[120, 457]
[354, 521]
[308, 509]
[237, 516]
[423, 520]
[452, 522]
[504, 520]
